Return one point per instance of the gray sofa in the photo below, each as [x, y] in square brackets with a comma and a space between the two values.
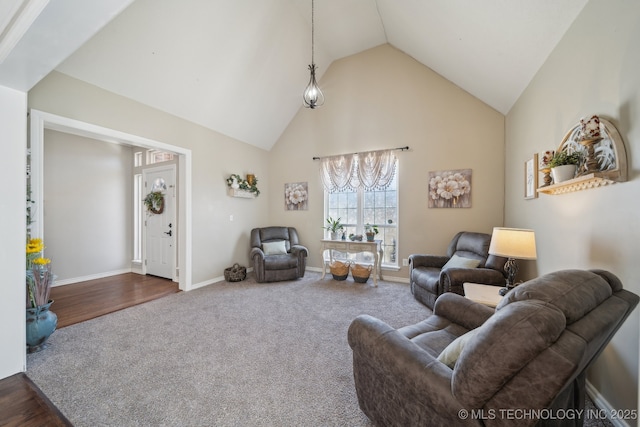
[430, 276]
[276, 254]
[531, 353]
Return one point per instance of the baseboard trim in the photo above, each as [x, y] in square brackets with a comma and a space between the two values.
[314, 269]
[602, 404]
[92, 277]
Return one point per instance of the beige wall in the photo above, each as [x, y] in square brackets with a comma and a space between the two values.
[593, 70]
[217, 242]
[382, 98]
[88, 205]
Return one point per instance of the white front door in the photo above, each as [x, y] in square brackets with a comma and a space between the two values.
[160, 227]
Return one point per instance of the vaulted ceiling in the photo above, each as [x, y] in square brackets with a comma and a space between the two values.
[239, 66]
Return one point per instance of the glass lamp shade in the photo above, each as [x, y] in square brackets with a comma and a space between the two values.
[312, 95]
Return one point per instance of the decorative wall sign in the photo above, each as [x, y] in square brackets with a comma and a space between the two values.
[450, 189]
[296, 196]
[531, 178]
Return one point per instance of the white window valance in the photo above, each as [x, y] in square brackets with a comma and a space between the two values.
[373, 170]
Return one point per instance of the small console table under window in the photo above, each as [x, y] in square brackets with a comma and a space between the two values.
[374, 247]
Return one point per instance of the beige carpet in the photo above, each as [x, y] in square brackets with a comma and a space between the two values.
[229, 354]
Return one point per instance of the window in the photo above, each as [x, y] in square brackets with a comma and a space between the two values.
[157, 156]
[137, 217]
[358, 208]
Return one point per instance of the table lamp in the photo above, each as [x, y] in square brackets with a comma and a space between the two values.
[512, 243]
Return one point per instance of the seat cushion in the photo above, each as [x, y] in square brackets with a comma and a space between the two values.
[280, 262]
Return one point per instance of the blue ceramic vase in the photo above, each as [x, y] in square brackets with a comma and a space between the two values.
[41, 322]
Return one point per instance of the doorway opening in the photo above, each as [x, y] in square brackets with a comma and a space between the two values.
[40, 121]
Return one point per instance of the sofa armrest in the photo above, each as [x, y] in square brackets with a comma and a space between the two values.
[256, 253]
[462, 311]
[397, 382]
[436, 261]
[299, 250]
[452, 279]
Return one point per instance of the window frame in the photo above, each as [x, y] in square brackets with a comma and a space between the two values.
[360, 223]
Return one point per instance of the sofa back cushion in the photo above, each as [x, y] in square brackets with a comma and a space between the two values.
[274, 234]
[471, 245]
[574, 292]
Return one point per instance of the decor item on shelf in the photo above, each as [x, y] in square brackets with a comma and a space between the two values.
[237, 273]
[545, 158]
[590, 128]
[450, 189]
[296, 196]
[234, 183]
[512, 243]
[355, 237]
[531, 177]
[334, 226]
[250, 184]
[564, 165]
[370, 231]
[360, 273]
[590, 134]
[154, 202]
[339, 270]
[41, 321]
[312, 96]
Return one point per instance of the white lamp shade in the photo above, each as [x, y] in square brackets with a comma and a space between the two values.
[515, 243]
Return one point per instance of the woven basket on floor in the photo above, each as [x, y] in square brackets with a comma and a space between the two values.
[236, 273]
[339, 270]
[361, 273]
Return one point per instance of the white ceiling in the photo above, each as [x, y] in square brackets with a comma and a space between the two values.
[239, 66]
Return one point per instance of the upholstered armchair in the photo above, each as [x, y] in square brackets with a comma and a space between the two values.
[528, 355]
[276, 254]
[467, 260]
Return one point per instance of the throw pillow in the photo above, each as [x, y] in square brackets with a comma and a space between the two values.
[450, 354]
[274, 248]
[461, 262]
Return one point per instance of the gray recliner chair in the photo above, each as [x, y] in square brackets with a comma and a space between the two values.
[277, 254]
[432, 275]
[530, 354]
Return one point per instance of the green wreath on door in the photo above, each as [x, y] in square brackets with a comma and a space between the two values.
[154, 202]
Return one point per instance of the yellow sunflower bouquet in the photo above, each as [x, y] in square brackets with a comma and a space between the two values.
[39, 276]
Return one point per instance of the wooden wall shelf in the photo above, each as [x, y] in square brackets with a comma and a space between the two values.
[241, 193]
[611, 159]
[592, 180]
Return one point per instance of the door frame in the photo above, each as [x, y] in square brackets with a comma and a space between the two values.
[40, 120]
[174, 261]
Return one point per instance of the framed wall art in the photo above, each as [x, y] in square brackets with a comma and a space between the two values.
[531, 178]
[296, 196]
[450, 189]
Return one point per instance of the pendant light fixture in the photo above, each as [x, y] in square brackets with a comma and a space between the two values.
[312, 96]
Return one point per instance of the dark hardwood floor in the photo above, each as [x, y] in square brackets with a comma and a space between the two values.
[83, 301]
[21, 401]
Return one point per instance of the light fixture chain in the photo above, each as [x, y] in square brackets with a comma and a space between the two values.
[312, 31]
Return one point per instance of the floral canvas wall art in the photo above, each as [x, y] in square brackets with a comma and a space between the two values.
[450, 189]
[296, 196]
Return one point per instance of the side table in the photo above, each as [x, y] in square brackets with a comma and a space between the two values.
[484, 294]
